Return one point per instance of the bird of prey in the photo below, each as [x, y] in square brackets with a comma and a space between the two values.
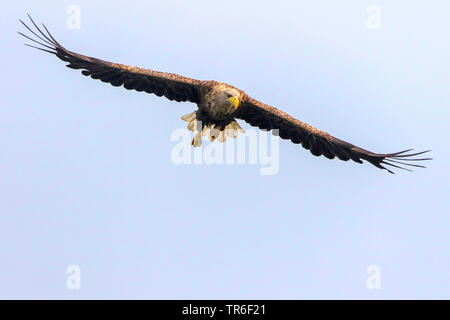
[219, 105]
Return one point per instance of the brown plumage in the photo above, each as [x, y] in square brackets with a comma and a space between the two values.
[219, 104]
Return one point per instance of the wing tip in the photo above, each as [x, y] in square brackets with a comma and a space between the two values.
[400, 160]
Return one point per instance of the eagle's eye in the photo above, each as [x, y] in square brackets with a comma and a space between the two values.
[229, 95]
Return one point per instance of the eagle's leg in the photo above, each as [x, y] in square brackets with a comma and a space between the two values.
[216, 130]
[224, 130]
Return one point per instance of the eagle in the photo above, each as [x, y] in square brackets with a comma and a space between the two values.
[219, 105]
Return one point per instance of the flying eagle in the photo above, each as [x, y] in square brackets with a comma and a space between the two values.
[219, 105]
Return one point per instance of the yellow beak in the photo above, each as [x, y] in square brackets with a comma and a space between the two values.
[234, 101]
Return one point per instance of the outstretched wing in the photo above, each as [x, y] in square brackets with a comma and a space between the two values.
[172, 86]
[319, 142]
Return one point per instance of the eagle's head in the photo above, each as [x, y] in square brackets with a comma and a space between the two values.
[229, 96]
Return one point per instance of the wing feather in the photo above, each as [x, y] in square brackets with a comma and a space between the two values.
[319, 142]
[172, 86]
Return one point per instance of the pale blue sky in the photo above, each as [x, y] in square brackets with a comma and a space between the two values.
[87, 177]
